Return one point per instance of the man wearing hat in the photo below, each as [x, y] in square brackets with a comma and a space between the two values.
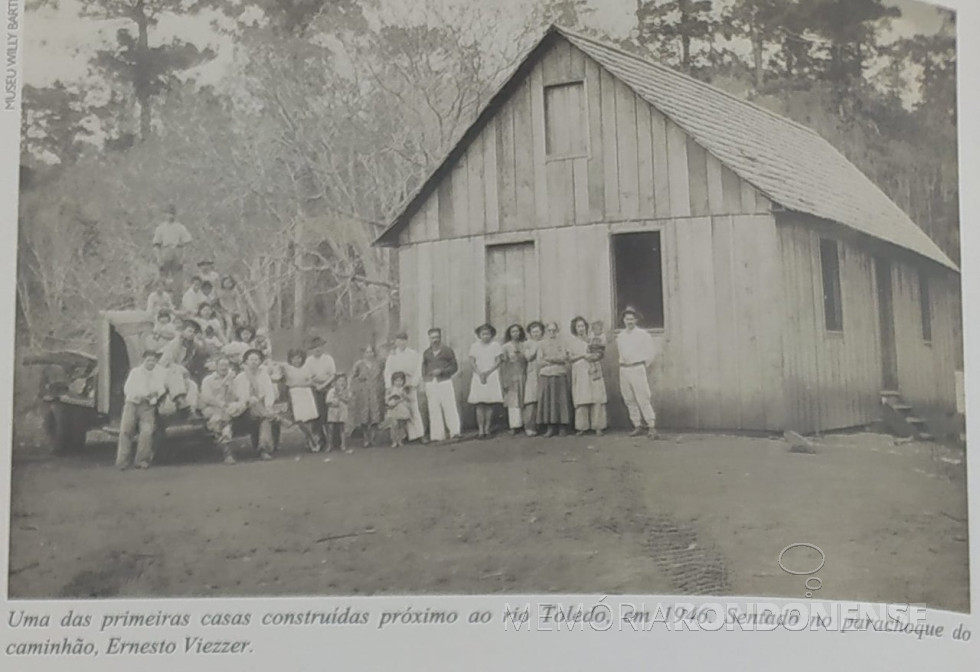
[205, 271]
[405, 360]
[145, 386]
[255, 388]
[637, 352]
[169, 240]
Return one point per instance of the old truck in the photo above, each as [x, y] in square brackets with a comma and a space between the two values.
[82, 391]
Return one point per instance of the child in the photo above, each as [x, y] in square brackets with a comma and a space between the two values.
[242, 342]
[597, 348]
[163, 332]
[338, 401]
[302, 405]
[398, 413]
[212, 342]
[159, 299]
[206, 318]
[207, 291]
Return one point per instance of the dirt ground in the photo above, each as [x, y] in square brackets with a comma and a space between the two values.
[690, 514]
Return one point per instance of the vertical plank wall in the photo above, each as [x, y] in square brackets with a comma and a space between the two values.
[926, 370]
[834, 380]
[721, 362]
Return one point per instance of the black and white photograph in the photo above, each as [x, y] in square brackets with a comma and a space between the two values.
[444, 297]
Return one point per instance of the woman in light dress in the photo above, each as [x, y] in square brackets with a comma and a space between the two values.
[588, 386]
[486, 356]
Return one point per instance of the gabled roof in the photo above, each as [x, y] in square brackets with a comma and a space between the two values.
[790, 163]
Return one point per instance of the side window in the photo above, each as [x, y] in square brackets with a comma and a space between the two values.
[830, 270]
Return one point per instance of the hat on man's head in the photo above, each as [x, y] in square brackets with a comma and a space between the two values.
[171, 209]
[155, 354]
[317, 342]
[630, 310]
[489, 327]
[188, 322]
[401, 336]
[205, 262]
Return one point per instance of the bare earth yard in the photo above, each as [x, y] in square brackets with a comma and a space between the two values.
[693, 513]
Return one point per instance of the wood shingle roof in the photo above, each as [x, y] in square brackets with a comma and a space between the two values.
[790, 163]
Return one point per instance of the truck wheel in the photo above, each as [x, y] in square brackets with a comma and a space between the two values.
[66, 427]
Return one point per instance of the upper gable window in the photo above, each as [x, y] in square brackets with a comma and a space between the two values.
[565, 121]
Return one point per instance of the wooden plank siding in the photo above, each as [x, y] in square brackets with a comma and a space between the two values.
[744, 343]
[639, 165]
[834, 379]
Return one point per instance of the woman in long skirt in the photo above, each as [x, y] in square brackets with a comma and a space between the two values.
[554, 398]
[486, 355]
[367, 390]
[513, 375]
[535, 332]
[588, 386]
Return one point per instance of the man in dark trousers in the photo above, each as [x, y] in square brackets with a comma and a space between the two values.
[438, 367]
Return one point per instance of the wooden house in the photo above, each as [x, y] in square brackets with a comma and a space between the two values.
[788, 292]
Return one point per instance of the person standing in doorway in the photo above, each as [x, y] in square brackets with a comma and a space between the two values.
[144, 387]
[637, 352]
[439, 365]
[169, 240]
[405, 360]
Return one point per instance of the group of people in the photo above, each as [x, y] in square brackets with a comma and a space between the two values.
[206, 358]
[548, 384]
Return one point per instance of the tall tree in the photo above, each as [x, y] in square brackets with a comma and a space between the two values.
[762, 23]
[673, 26]
[148, 69]
[849, 32]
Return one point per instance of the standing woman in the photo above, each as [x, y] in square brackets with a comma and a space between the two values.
[554, 407]
[367, 389]
[532, 347]
[588, 386]
[486, 355]
[513, 375]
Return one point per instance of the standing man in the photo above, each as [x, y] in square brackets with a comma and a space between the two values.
[144, 388]
[169, 240]
[438, 367]
[322, 370]
[405, 360]
[637, 352]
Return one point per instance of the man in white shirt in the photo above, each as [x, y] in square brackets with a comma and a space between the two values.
[205, 270]
[169, 240]
[191, 302]
[219, 403]
[405, 360]
[322, 370]
[255, 388]
[144, 387]
[637, 352]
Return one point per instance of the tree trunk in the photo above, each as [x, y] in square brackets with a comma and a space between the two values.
[757, 46]
[141, 76]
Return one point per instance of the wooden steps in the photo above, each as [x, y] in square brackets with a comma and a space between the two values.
[900, 419]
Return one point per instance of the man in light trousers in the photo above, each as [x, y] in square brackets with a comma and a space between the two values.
[438, 367]
[637, 352]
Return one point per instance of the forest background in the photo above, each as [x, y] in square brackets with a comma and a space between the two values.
[288, 132]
